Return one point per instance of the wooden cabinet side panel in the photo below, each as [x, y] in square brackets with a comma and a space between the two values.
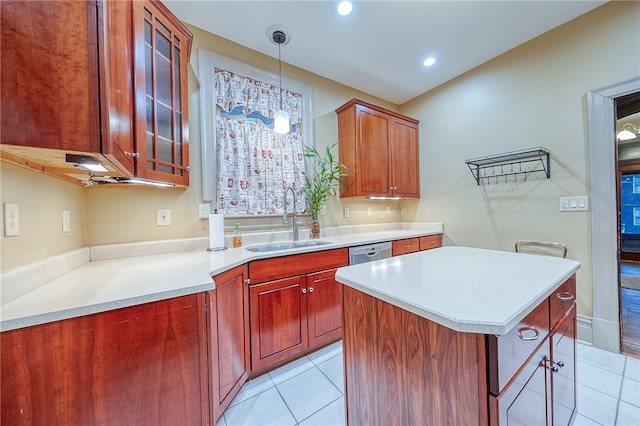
[403, 369]
[230, 337]
[137, 365]
[405, 159]
[347, 151]
[287, 266]
[324, 308]
[49, 78]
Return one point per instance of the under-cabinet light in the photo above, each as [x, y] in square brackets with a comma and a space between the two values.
[385, 198]
[85, 162]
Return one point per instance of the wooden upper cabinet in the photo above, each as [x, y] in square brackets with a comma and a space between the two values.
[107, 79]
[380, 150]
[162, 46]
[49, 78]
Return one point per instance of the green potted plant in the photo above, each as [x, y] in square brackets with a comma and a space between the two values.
[323, 184]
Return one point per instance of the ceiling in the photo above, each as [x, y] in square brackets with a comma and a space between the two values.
[379, 48]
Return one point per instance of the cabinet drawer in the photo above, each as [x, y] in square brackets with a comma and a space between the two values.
[298, 264]
[508, 352]
[430, 241]
[561, 300]
[405, 246]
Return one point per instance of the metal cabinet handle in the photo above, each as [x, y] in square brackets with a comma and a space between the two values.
[310, 289]
[523, 330]
[132, 154]
[247, 281]
[304, 291]
[406, 246]
[565, 295]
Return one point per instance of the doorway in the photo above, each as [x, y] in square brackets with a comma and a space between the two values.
[628, 208]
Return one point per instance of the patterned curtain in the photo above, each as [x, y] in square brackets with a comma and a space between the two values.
[255, 164]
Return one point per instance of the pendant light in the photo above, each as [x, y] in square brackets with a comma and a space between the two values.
[281, 117]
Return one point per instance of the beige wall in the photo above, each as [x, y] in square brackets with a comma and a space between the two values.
[531, 96]
[40, 199]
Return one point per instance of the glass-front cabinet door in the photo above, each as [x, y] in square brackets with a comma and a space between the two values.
[161, 95]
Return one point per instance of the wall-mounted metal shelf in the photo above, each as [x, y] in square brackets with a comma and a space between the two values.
[524, 162]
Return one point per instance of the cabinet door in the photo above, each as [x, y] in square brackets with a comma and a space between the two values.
[373, 151]
[132, 366]
[526, 400]
[49, 80]
[324, 308]
[162, 52]
[278, 321]
[115, 36]
[563, 376]
[405, 170]
[229, 345]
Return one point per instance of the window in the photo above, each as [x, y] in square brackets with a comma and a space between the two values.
[636, 184]
[246, 165]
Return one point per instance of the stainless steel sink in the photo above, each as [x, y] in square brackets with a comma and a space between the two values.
[285, 245]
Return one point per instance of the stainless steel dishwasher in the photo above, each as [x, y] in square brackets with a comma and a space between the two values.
[369, 252]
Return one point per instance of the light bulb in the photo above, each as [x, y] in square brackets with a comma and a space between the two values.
[281, 122]
[344, 8]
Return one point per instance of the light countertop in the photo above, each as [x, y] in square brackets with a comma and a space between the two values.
[112, 283]
[465, 289]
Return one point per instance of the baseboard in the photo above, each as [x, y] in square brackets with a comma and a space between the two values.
[585, 329]
[606, 334]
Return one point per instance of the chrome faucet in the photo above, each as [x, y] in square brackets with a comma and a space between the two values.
[296, 223]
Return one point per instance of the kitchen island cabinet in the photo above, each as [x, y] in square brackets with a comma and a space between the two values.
[484, 335]
[104, 79]
[380, 151]
[136, 365]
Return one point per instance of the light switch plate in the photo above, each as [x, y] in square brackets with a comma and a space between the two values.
[11, 220]
[573, 204]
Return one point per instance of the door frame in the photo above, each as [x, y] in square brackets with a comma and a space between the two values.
[605, 323]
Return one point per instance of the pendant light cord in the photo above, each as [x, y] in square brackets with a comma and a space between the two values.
[280, 72]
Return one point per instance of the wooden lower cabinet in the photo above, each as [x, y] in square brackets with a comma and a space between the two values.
[292, 316]
[143, 364]
[412, 245]
[324, 308]
[278, 321]
[228, 338]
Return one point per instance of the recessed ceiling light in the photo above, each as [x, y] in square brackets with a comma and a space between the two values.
[429, 61]
[344, 8]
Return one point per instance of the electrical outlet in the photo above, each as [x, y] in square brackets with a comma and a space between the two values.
[204, 209]
[66, 221]
[369, 211]
[346, 212]
[164, 217]
[388, 210]
[11, 220]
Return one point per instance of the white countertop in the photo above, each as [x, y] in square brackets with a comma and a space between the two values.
[102, 285]
[465, 289]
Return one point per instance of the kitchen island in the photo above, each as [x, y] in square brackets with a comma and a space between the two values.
[459, 335]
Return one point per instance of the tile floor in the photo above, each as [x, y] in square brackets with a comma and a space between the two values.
[309, 391]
